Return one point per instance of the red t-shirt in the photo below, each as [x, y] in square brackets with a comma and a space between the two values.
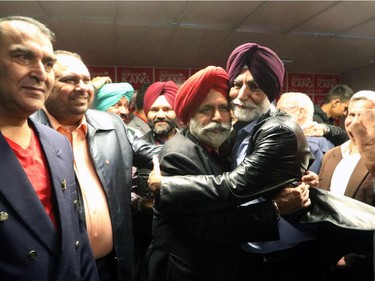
[34, 164]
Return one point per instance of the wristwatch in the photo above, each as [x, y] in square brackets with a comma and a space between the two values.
[326, 129]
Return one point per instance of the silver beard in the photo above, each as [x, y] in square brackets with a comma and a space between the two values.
[207, 135]
[251, 110]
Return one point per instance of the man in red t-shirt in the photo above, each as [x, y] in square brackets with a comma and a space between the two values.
[41, 234]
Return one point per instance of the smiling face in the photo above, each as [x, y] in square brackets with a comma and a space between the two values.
[26, 75]
[248, 100]
[161, 118]
[121, 108]
[72, 92]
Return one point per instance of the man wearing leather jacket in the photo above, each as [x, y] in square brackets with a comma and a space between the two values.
[269, 151]
[104, 152]
[204, 247]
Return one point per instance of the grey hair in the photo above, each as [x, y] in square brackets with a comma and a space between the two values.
[42, 28]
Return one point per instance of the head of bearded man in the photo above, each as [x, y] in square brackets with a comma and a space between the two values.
[158, 105]
[202, 104]
[256, 76]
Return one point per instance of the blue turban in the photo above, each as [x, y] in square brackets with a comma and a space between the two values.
[109, 94]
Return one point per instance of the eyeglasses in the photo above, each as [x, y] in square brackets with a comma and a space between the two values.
[210, 110]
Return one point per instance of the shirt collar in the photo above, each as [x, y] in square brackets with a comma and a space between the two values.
[249, 127]
[59, 127]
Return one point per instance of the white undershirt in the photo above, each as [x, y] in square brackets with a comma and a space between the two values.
[344, 169]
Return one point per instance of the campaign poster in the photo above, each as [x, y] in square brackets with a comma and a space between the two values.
[301, 82]
[102, 71]
[324, 82]
[135, 76]
[179, 76]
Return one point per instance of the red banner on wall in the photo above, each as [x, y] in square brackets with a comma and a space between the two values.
[136, 76]
[102, 71]
[179, 76]
[318, 99]
[324, 82]
[301, 82]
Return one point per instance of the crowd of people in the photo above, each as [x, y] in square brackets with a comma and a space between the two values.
[221, 178]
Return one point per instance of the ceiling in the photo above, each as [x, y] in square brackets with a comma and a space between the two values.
[310, 36]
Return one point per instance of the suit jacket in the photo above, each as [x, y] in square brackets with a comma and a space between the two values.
[140, 126]
[113, 151]
[361, 183]
[201, 247]
[359, 187]
[31, 247]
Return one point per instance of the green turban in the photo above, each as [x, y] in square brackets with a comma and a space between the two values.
[109, 94]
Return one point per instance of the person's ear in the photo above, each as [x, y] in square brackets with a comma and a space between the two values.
[301, 113]
[335, 102]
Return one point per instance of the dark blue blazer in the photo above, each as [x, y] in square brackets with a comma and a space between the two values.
[31, 248]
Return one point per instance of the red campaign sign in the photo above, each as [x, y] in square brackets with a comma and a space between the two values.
[135, 76]
[324, 82]
[179, 76]
[102, 71]
[301, 82]
[318, 99]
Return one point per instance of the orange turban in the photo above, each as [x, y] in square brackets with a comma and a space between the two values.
[191, 94]
[168, 89]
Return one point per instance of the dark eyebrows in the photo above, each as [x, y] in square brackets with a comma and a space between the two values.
[21, 49]
[252, 82]
[50, 59]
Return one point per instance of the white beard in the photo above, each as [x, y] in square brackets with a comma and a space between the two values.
[251, 110]
[207, 135]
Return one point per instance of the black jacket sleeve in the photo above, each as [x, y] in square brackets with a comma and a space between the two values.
[336, 135]
[279, 155]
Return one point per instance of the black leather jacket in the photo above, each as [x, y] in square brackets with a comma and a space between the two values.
[336, 134]
[277, 155]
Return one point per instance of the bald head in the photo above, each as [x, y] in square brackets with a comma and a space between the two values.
[298, 105]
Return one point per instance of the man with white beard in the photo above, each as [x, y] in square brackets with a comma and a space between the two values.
[251, 95]
[269, 151]
[203, 247]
